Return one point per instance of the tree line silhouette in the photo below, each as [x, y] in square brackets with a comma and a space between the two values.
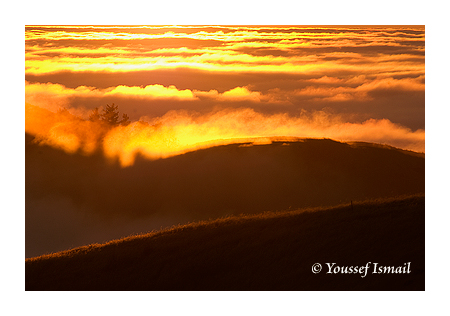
[109, 115]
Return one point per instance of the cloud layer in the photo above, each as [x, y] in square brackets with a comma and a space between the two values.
[181, 131]
[350, 83]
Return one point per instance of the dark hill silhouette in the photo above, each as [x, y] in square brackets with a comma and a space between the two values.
[73, 200]
[270, 251]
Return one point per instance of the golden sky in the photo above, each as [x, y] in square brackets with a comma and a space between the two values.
[185, 85]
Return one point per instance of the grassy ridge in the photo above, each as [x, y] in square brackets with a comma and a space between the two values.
[270, 251]
[74, 200]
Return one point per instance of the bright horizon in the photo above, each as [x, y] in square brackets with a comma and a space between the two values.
[185, 85]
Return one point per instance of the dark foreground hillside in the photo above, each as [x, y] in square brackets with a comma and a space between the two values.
[74, 200]
[271, 251]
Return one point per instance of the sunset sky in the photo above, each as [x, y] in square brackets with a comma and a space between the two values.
[348, 83]
[185, 85]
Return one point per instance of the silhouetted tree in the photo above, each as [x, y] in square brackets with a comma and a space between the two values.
[111, 114]
[94, 116]
[125, 120]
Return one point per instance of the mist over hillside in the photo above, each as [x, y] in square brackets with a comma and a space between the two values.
[73, 200]
[270, 251]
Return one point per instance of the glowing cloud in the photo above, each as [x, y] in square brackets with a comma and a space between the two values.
[234, 82]
[152, 92]
[56, 96]
[179, 131]
[236, 94]
[231, 49]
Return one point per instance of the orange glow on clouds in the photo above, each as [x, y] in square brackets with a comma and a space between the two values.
[226, 57]
[179, 132]
[55, 96]
[213, 62]
[235, 83]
